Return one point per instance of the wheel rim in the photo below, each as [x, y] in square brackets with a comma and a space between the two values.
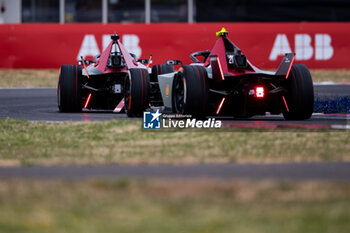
[180, 94]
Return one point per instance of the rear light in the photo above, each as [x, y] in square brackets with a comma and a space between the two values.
[221, 73]
[259, 92]
[87, 101]
[285, 103]
[220, 106]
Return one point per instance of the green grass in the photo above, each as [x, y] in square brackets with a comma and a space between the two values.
[49, 77]
[123, 141]
[330, 75]
[28, 77]
[173, 206]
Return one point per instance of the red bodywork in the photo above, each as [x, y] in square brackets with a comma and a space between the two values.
[229, 78]
[101, 69]
[101, 63]
[219, 51]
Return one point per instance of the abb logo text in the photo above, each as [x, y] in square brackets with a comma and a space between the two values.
[305, 48]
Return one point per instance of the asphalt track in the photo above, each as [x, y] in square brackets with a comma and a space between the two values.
[40, 104]
[285, 171]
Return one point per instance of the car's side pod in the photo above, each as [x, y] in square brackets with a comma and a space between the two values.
[286, 65]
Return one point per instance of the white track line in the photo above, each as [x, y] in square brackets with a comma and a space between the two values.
[331, 83]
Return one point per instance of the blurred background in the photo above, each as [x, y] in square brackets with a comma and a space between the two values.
[139, 11]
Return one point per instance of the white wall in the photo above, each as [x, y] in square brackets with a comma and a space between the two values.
[12, 13]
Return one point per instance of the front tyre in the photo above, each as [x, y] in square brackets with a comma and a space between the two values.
[160, 69]
[137, 91]
[300, 97]
[69, 89]
[190, 91]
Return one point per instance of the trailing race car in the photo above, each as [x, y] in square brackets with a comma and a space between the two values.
[113, 81]
[225, 83]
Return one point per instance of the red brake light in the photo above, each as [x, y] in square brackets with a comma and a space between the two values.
[221, 73]
[259, 92]
[87, 100]
[220, 105]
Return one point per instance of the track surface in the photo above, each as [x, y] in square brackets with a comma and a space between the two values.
[285, 171]
[40, 104]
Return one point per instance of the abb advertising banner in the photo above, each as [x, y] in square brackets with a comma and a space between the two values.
[318, 45]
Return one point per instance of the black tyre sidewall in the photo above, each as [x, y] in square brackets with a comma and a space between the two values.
[161, 69]
[139, 90]
[196, 79]
[69, 88]
[300, 97]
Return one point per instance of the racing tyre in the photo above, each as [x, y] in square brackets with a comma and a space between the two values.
[190, 91]
[161, 69]
[300, 97]
[137, 89]
[69, 89]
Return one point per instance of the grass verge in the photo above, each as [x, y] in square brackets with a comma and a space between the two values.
[49, 77]
[330, 75]
[174, 206]
[28, 78]
[123, 141]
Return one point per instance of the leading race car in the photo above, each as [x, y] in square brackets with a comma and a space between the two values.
[105, 82]
[225, 83]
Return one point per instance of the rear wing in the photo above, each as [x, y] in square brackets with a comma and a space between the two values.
[286, 65]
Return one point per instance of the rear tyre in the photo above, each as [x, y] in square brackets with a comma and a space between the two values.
[190, 91]
[160, 69]
[300, 97]
[137, 90]
[69, 89]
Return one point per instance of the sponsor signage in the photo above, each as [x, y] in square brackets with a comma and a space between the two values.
[318, 45]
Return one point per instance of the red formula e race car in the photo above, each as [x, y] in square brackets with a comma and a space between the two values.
[104, 84]
[225, 83]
